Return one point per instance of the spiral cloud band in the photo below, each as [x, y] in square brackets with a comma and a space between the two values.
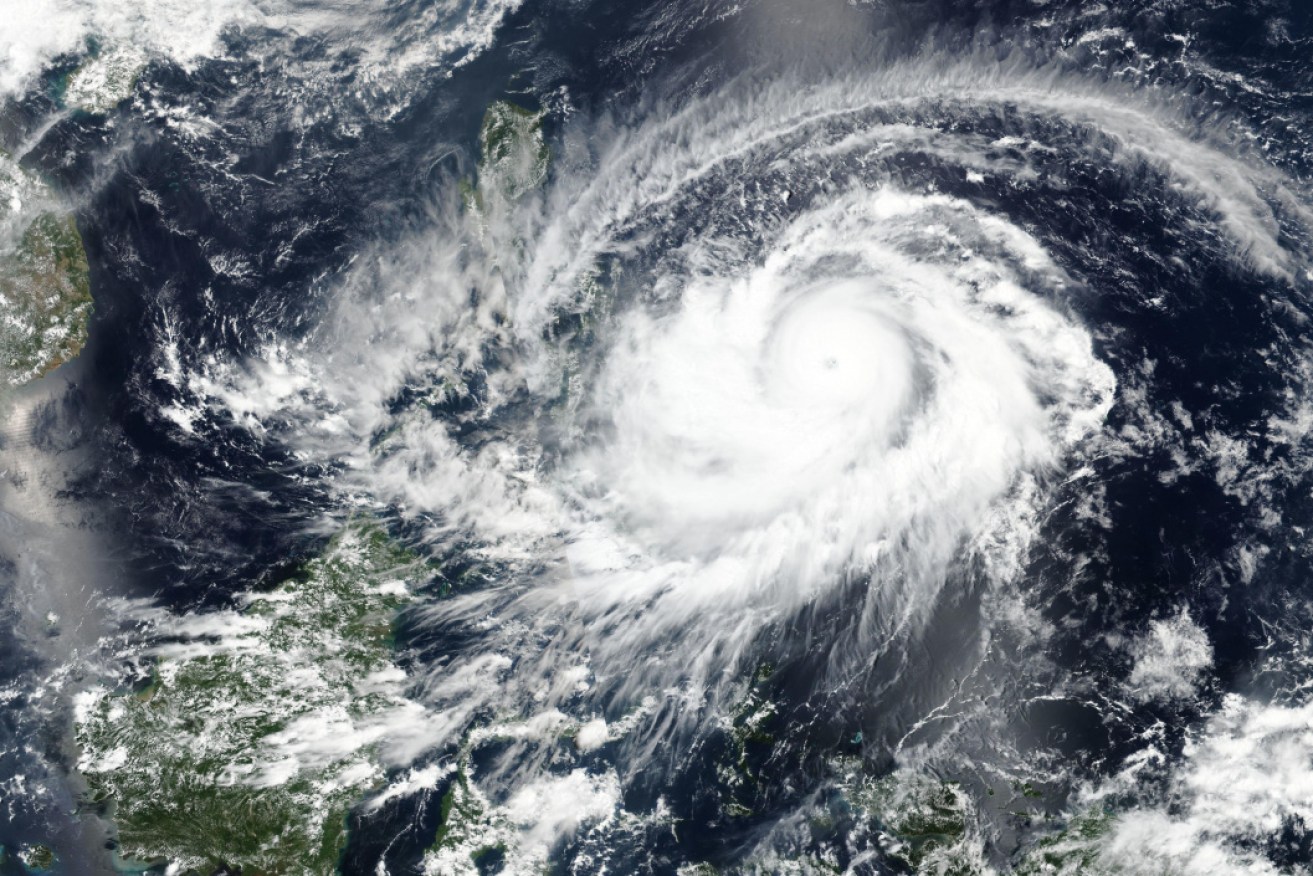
[868, 389]
[782, 350]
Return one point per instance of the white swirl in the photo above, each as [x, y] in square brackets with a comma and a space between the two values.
[37, 32]
[819, 379]
[853, 403]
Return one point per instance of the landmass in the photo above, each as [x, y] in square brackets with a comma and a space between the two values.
[36, 858]
[259, 728]
[513, 161]
[45, 282]
[105, 79]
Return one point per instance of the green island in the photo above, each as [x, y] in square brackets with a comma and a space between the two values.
[259, 730]
[105, 79]
[45, 282]
[478, 836]
[472, 833]
[929, 824]
[1073, 850]
[513, 152]
[750, 732]
[35, 858]
[513, 161]
[926, 821]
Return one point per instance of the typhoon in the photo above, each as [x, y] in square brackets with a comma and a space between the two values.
[553, 437]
